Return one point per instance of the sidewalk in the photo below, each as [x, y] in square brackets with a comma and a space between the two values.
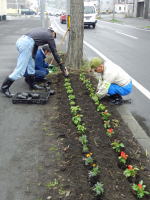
[136, 22]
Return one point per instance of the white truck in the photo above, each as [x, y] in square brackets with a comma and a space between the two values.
[89, 15]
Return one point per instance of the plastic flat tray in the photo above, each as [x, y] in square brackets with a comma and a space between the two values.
[43, 99]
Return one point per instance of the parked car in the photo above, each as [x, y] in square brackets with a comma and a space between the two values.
[27, 12]
[63, 18]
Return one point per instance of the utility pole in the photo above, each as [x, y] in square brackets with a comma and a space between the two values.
[42, 10]
[17, 6]
[99, 8]
[146, 8]
[113, 9]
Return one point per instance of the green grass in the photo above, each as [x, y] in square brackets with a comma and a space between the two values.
[52, 184]
[115, 21]
[147, 27]
[53, 148]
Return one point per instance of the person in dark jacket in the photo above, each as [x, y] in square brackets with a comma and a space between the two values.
[27, 46]
[41, 66]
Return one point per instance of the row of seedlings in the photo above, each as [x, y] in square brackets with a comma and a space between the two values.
[90, 163]
[131, 172]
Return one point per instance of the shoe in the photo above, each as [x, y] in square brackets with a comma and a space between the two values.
[30, 80]
[118, 102]
[116, 99]
[42, 80]
[36, 87]
[5, 87]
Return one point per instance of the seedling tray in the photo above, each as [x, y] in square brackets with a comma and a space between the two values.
[42, 99]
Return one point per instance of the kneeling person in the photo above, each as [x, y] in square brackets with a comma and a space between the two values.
[113, 81]
[41, 66]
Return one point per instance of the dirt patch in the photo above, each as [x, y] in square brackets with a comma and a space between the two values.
[62, 174]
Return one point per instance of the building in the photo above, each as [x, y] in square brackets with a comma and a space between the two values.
[133, 8]
[3, 9]
[142, 8]
[125, 6]
[106, 6]
[15, 6]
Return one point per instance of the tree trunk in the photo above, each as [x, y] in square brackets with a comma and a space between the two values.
[75, 44]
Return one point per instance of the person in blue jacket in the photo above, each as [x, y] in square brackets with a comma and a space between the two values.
[41, 66]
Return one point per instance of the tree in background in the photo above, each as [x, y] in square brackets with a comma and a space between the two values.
[75, 44]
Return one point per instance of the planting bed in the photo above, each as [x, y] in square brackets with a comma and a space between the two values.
[73, 171]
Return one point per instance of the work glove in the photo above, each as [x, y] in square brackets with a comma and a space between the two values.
[64, 70]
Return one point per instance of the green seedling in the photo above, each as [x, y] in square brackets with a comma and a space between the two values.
[86, 81]
[130, 171]
[71, 97]
[81, 128]
[92, 94]
[82, 77]
[88, 85]
[69, 88]
[77, 119]
[67, 84]
[117, 146]
[69, 91]
[107, 124]
[101, 107]
[83, 139]
[85, 149]
[75, 110]
[98, 189]
[95, 99]
[105, 115]
[94, 172]
[140, 190]
[67, 80]
[91, 90]
[72, 103]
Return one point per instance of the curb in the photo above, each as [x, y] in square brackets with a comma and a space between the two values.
[135, 128]
[138, 25]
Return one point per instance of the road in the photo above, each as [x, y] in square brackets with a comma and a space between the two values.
[129, 48]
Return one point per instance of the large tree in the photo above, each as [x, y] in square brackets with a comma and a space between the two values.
[75, 44]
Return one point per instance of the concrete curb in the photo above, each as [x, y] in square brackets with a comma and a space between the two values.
[135, 128]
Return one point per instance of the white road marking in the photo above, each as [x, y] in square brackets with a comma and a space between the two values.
[142, 89]
[127, 35]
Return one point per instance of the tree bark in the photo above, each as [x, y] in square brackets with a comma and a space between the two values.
[75, 44]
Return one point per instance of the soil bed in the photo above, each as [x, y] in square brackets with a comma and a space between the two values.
[70, 167]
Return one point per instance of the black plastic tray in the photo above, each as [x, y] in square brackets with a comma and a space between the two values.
[43, 99]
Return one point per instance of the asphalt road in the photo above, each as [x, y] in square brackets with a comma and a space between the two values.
[129, 48]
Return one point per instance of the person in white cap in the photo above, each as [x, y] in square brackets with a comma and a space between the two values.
[113, 81]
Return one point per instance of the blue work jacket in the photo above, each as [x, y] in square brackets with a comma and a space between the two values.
[40, 63]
